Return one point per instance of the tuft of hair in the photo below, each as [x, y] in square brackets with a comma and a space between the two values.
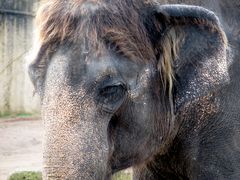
[172, 41]
[113, 22]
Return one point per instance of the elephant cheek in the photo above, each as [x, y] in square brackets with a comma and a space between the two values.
[75, 149]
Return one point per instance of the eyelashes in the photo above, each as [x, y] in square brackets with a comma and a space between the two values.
[112, 94]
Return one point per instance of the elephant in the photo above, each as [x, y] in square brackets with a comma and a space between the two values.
[135, 83]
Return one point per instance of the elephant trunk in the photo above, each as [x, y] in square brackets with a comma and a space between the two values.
[75, 150]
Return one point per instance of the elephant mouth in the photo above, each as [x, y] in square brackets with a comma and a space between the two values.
[117, 168]
[122, 163]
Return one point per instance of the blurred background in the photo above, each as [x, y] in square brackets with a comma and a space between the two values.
[20, 125]
[16, 41]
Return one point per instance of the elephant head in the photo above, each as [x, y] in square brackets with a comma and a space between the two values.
[112, 75]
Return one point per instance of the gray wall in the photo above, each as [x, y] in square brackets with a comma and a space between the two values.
[16, 39]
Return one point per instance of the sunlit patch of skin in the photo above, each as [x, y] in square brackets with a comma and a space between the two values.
[62, 119]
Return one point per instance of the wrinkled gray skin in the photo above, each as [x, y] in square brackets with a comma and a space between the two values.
[228, 13]
[214, 152]
[106, 114]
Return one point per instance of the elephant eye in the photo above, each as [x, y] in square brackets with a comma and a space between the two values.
[112, 94]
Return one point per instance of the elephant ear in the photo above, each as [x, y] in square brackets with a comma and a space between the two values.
[191, 49]
[37, 69]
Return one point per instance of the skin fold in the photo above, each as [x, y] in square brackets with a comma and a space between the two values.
[136, 83]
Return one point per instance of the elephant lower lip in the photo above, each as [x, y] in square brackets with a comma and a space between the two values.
[117, 168]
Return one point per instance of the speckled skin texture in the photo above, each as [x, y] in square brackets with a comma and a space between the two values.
[150, 94]
[207, 144]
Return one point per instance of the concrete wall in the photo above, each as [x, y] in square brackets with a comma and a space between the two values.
[16, 39]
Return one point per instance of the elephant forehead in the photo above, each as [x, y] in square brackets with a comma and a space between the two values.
[114, 66]
[101, 65]
[97, 64]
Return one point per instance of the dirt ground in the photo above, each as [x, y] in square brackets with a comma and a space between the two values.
[20, 145]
